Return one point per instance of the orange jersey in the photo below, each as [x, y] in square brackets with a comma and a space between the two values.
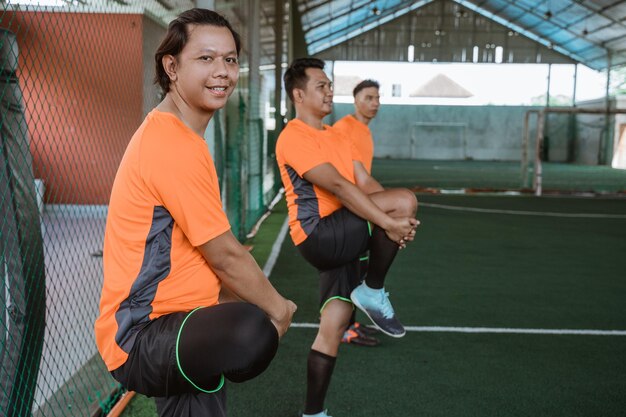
[300, 148]
[164, 203]
[361, 135]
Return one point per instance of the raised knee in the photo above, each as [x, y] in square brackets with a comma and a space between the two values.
[256, 346]
[408, 203]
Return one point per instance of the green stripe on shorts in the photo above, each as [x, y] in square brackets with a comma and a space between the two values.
[180, 368]
[337, 297]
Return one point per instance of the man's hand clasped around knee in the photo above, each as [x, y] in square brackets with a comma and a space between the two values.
[401, 230]
[282, 323]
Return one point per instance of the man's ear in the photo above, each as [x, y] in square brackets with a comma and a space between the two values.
[170, 66]
[298, 95]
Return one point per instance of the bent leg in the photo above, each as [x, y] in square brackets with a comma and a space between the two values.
[370, 297]
[397, 202]
[236, 340]
[183, 357]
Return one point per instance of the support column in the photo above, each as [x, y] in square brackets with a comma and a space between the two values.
[575, 85]
[573, 118]
[296, 42]
[279, 16]
[545, 150]
[549, 82]
[255, 122]
[605, 139]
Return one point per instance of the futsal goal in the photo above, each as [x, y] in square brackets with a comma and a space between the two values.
[438, 140]
[535, 156]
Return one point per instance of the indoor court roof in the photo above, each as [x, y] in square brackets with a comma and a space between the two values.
[586, 31]
[591, 32]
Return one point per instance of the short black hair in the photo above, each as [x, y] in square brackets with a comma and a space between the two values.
[364, 84]
[177, 37]
[295, 76]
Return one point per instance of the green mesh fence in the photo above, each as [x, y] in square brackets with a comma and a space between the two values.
[75, 83]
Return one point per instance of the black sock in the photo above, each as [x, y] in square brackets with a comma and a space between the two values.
[319, 370]
[382, 253]
[363, 263]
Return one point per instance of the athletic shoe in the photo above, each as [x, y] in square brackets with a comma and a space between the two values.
[375, 304]
[355, 336]
[321, 414]
[366, 330]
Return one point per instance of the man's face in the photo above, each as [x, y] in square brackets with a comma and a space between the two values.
[317, 96]
[207, 68]
[367, 102]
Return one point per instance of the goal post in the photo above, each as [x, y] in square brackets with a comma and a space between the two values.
[541, 117]
[439, 140]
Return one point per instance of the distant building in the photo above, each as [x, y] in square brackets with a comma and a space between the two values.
[343, 85]
[441, 86]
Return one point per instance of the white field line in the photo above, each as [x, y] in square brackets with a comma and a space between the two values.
[581, 332]
[278, 243]
[271, 261]
[527, 213]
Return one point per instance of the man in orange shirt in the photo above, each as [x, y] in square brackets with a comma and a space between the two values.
[168, 248]
[356, 127]
[330, 199]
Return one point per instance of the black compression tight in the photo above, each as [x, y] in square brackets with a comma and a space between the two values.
[319, 370]
[382, 253]
[236, 340]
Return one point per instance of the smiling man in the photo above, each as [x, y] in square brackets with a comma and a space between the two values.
[168, 248]
[330, 199]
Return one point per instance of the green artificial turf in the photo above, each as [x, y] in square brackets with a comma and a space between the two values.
[507, 175]
[470, 269]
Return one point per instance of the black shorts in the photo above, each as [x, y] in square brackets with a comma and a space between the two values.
[184, 357]
[334, 248]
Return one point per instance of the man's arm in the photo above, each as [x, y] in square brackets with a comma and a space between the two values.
[364, 180]
[327, 177]
[240, 273]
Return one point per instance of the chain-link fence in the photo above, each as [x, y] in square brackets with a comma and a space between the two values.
[75, 83]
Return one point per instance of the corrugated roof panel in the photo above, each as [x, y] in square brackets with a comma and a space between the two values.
[545, 28]
[331, 11]
[360, 19]
[591, 54]
[617, 44]
[514, 14]
[617, 11]
[598, 5]
[524, 3]
[571, 14]
[579, 28]
[528, 20]
[596, 21]
[580, 45]
[609, 32]
[563, 38]
[569, 27]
